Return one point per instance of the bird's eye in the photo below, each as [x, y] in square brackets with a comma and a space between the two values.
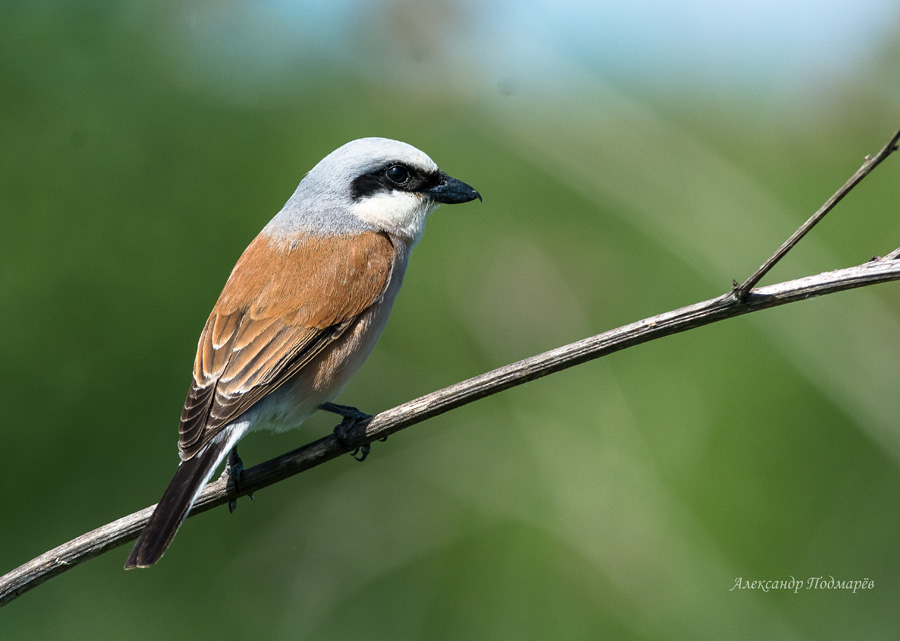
[397, 174]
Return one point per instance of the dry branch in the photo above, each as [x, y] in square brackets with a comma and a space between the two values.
[740, 300]
[870, 163]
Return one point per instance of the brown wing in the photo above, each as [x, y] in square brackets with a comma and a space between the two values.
[283, 304]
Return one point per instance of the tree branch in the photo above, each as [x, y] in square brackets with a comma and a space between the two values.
[868, 165]
[740, 300]
[127, 528]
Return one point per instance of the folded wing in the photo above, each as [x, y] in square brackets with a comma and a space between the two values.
[283, 304]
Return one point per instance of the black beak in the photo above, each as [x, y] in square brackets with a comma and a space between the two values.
[451, 191]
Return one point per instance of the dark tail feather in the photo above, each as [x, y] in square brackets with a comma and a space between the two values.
[174, 506]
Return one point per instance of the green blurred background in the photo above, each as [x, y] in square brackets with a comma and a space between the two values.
[632, 161]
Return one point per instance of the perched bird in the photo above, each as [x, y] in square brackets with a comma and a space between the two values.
[303, 308]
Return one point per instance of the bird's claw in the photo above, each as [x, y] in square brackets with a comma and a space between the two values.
[234, 468]
[351, 416]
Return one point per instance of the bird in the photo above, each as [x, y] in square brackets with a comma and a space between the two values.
[302, 309]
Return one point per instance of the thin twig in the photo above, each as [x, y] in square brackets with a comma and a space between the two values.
[893, 255]
[219, 492]
[741, 291]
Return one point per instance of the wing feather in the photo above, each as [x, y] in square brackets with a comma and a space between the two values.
[269, 323]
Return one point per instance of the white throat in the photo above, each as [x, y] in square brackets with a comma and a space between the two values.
[398, 212]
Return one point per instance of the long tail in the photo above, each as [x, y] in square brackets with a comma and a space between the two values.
[175, 504]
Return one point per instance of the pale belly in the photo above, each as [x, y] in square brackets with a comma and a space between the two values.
[325, 376]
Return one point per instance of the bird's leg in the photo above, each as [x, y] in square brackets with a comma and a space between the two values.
[351, 416]
[234, 467]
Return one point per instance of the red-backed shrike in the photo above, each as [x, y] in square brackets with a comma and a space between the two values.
[302, 309]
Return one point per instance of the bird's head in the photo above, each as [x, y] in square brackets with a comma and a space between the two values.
[386, 185]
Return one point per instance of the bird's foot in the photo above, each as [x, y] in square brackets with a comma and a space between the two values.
[351, 417]
[234, 468]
